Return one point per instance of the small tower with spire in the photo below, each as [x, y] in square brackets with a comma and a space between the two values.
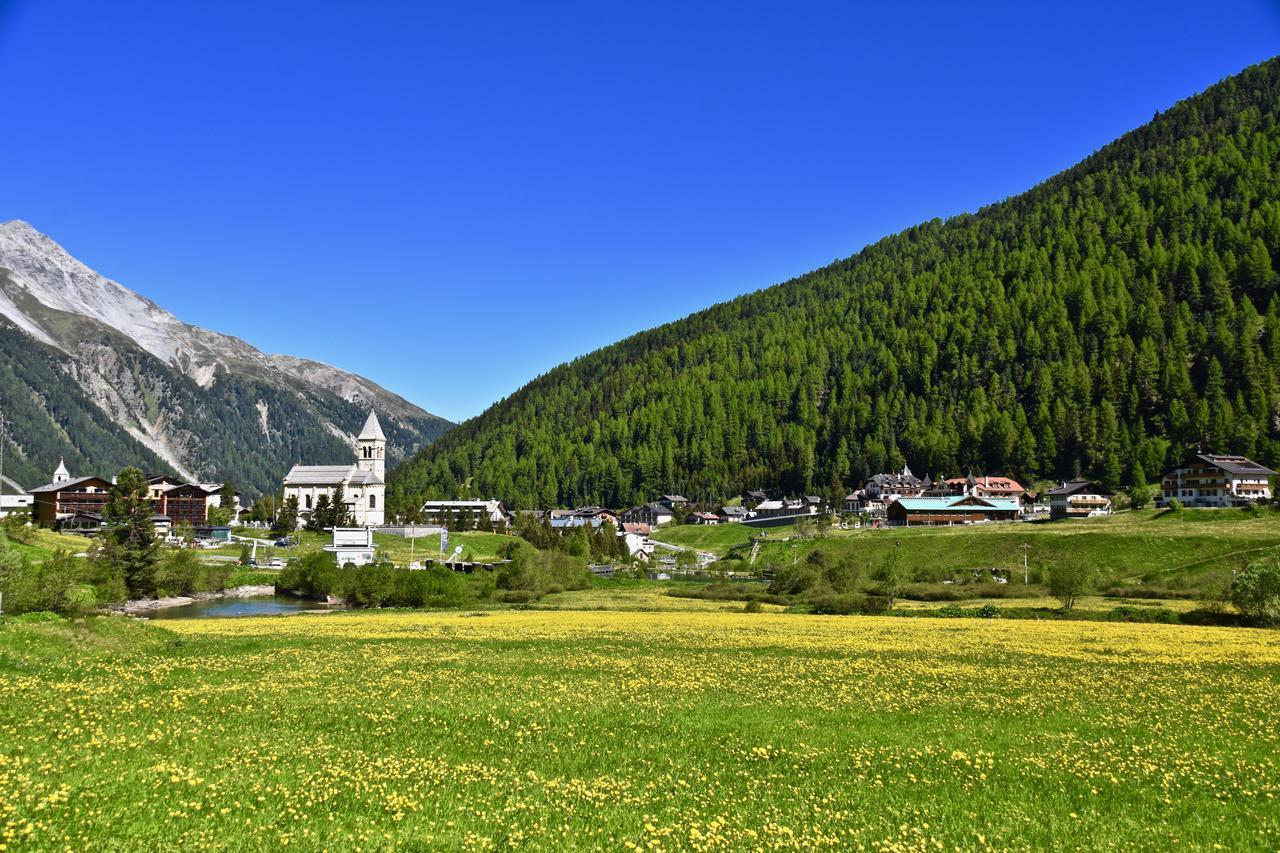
[371, 445]
[61, 475]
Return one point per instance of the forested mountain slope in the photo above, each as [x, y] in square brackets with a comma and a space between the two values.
[1102, 322]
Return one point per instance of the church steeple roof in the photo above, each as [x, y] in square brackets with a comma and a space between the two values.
[372, 429]
[62, 474]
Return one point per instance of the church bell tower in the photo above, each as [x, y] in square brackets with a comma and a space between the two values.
[371, 446]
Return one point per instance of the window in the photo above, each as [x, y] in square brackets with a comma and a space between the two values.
[373, 501]
[308, 501]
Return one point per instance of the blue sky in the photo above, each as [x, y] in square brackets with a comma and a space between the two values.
[453, 199]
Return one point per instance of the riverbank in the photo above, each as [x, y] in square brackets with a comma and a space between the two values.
[146, 605]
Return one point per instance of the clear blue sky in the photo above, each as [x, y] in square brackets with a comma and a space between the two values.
[453, 199]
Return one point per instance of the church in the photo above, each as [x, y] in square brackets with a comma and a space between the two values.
[364, 483]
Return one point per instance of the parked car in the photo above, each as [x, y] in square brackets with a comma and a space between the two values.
[286, 542]
[277, 563]
[251, 563]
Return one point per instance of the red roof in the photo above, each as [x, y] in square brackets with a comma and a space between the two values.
[999, 484]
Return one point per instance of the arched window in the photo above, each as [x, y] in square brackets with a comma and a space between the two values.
[308, 501]
[373, 501]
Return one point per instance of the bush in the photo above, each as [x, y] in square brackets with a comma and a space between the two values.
[313, 574]
[839, 605]
[518, 596]
[753, 606]
[843, 576]
[1126, 613]
[60, 584]
[794, 580]
[892, 576]
[1255, 590]
[1069, 579]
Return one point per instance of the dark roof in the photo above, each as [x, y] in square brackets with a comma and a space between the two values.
[69, 484]
[1077, 486]
[1235, 464]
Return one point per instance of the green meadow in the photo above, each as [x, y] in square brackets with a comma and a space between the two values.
[691, 729]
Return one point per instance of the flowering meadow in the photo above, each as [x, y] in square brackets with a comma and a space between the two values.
[621, 730]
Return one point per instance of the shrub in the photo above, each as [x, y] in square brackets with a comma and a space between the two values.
[177, 573]
[1255, 590]
[892, 576]
[794, 580]
[753, 606]
[518, 596]
[843, 576]
[1069, 579]
[839, 605]
[311, 574]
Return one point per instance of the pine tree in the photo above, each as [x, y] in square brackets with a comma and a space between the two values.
[129, 546]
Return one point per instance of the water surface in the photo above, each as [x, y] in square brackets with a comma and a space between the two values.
[262, 605]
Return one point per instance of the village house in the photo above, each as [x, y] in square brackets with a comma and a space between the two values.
[702, 518]
[363, 483]
[598, 515]
[1079, 499]
[187, 503]
[734, 513]
[886, 488]
[986, 487]
[653, 514]
[1208, 480]
[59, 501]
[957, 509]
[755, 497]
[673, 501]
[453, 512]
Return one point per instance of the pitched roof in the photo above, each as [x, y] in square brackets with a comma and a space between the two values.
[1007, 484]
[61, 470]
[1075, 487]
[372, 429]
[362, 477]
[67, 484]
[318, 475]
[1236, 464]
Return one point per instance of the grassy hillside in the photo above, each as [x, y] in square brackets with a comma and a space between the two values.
[1100, 323]
[547, 729]
[1158, 548]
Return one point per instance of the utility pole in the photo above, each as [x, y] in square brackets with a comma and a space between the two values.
[1025, 575]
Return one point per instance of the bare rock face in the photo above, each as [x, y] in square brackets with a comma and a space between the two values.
[210, 406]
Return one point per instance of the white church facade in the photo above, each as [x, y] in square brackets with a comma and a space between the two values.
[364, 483]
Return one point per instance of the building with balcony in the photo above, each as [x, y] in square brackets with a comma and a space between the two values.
[1211, 481]
[1079, 499]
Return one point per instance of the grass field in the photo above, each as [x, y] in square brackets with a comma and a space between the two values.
[717, 539]
[1162, 548]
[37, 543]
[606, 729]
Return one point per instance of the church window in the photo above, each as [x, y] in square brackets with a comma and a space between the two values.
[373, 501]
[308, 501]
